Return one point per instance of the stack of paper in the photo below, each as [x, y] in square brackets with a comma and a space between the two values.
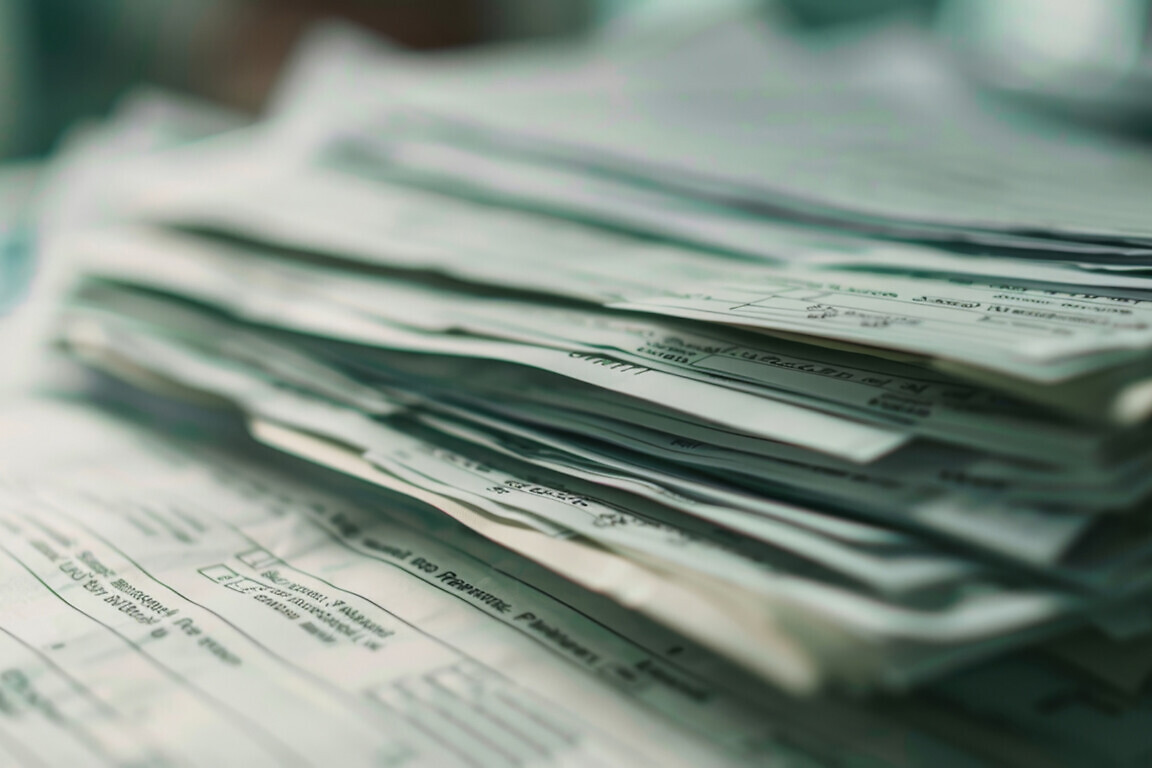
[584, 304]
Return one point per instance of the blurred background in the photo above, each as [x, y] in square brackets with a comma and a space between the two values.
[62, 60]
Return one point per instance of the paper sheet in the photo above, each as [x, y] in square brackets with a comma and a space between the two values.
[795, 132]
[165, 606]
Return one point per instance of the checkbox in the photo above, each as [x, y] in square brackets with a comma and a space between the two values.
[258, 558]
[218, 573]
[246, 586]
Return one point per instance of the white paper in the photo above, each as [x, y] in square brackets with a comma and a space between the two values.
[897, 489]
[780, 126]
[439, 473]
[167, 607]
[296, 306]
[1024, 332]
